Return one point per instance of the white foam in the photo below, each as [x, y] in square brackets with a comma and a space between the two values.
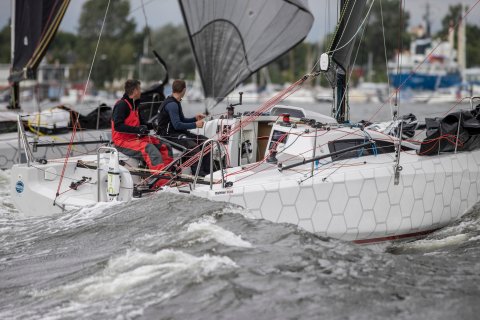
[474, 238]
[85, 215]
[207, 230]
[141, 269]
[5, 175]
[239, 210]
[434, 244]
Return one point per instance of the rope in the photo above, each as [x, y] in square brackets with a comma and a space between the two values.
[254, 115]
[386, 58]
[359, 28]
[81, 101]
[423, 61]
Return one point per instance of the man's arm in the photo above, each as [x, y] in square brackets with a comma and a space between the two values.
[120, 113]
[178, 124]
[189, 120]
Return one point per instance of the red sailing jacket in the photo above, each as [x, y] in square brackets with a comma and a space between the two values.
[133, 119]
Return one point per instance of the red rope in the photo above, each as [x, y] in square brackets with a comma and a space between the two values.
[397, 90]
[250, 118]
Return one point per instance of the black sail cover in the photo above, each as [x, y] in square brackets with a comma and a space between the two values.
[36, 22]
[352, 15]
[231, 39]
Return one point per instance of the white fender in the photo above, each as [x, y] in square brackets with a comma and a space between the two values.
[113, 177]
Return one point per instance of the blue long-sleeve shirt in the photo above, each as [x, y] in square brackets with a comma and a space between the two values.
[179, 121]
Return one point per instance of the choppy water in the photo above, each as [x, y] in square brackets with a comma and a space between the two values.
[180, 257]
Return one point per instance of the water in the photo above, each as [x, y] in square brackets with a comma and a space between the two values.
[181, 257]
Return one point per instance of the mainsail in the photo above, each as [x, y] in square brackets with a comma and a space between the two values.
[348, 25]
[34, 24]
[231, 39]
[340, 51]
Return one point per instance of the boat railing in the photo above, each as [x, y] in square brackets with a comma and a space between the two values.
[282, 167]
[212, 142]
[471, 100]
[99, 151]
[23, 142]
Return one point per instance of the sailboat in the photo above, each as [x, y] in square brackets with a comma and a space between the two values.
[324, 174]
[48, 130]
[34, 25]
[351, 182]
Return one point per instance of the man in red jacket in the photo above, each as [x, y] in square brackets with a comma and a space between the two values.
[130, 131]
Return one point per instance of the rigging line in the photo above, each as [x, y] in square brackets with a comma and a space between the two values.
[386, 59]
[355, 34]
[149, 35]
[82, 98]
[264, 107]
[399, 48]
[344, 96]
[423, 61]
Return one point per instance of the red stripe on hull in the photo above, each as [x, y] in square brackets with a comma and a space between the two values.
[397, 237]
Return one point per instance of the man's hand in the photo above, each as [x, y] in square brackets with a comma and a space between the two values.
[199, 116]
[199, 123]
[143, 130]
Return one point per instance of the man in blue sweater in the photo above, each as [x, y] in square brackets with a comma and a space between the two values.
[174, 126]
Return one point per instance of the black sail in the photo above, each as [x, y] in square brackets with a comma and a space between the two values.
[352, 15]
[36, 22]
[231, 39]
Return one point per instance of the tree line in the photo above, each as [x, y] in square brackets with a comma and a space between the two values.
[124, 52]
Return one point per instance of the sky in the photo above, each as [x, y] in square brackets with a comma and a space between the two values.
[161, 12]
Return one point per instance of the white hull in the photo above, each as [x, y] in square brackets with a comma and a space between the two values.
[9, 147]
[33, 188]
[362, 202]
[348, 194]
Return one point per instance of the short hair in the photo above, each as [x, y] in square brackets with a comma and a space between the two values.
[130, 85]
[178, 86]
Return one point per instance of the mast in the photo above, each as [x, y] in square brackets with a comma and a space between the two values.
[341, 96]
[15, 92]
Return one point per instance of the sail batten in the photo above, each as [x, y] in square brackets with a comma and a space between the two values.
[232, 39]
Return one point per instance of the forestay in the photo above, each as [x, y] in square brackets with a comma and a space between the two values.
[232, 39]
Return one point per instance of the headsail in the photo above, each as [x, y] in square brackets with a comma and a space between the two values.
[348, 25]
[231, 39]
[34, 26]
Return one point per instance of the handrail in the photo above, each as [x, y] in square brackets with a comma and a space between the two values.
[471, 101]
[37, 144]
[397, 167]
[211, 141]
[305, 161]
[173, 144]
[22, 140]
[98, 167]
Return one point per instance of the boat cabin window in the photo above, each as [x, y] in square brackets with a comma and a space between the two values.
[278, 136]
[338, 145]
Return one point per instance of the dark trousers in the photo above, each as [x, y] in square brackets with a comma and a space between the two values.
[193, 143]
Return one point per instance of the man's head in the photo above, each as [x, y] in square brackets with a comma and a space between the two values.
[132, 89]
[178, 89]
